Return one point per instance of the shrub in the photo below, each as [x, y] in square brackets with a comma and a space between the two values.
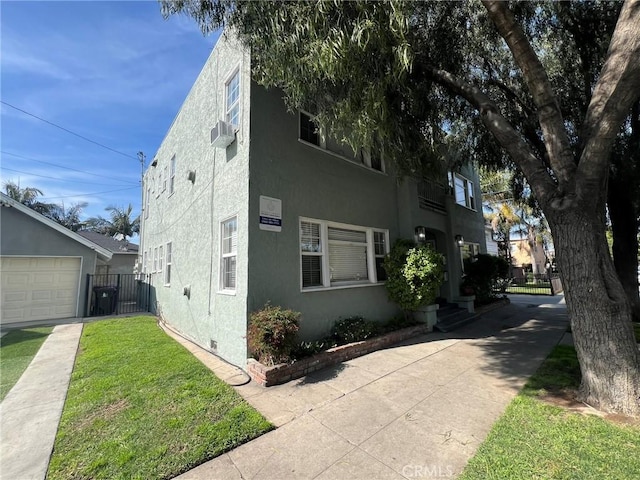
[414, 274]
[272, 334]
[353, 329]
[307, 349]
[398, 323]
[486, 274]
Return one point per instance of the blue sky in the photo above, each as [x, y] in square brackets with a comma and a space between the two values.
[113, 72]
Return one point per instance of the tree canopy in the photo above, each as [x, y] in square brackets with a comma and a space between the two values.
[422, 76]
[120, 221]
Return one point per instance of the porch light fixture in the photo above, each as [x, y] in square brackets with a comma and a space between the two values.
[421, 234]
[459, 240]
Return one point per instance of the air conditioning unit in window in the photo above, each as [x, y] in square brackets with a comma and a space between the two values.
[223, 134]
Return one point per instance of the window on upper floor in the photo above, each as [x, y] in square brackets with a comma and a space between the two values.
[232, 89]
[310, 132]
[464, 193]
[172, 178]
[338, 255]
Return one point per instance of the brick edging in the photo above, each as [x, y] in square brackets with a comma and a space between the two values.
[284, 372]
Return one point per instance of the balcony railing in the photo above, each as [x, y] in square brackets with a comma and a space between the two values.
[431, 195]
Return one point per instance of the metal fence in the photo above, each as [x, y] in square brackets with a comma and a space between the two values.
[536, 284]
[113, 294]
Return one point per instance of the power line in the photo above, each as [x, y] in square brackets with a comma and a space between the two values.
[62, 166]
[88, 194]
[62, 179]
[68, 131]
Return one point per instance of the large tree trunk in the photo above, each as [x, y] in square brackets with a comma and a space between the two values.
[600, 313]
[624, 223]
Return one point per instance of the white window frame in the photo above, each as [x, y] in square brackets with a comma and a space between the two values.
[172, 178]
[155, 260]
[167, 264]
[160, 258]
[325, 249]
[236, 104]
[223, 256]
[469, 200]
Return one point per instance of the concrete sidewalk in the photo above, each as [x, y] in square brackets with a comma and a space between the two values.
[30, 413]
[416, 410]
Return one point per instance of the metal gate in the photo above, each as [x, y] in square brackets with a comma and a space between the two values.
[113, 294]
[543, 284]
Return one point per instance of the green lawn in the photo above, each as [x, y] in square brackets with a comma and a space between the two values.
[17, 349]
[534, 440]
[140, 406]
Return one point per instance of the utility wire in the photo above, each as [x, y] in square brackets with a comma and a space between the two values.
[62, 166]
[68, 131]
[88, 194]
[63, 179]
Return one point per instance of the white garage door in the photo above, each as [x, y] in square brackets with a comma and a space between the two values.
[38, 288]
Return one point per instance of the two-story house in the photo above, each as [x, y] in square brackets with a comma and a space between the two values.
[266, 207]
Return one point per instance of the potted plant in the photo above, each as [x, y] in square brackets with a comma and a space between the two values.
[414, 276]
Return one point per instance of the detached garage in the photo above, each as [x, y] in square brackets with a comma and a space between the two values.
[43, 266]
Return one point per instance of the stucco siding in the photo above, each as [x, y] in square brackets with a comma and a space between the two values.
[190, 217]
[313, 184]
[22, 235]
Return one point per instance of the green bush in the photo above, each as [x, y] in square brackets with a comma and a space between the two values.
[485, 274]
[398, 323]
[272, 334]
[307, 349]
[414, 274]
[353, 329]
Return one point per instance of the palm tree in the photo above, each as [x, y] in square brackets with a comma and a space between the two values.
[503, 220]
[27, 196]
[120, 222]
[67, 217]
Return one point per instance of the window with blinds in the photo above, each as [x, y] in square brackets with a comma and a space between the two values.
[229, 253]
[311, 249]
[347, 255]
[335, 255]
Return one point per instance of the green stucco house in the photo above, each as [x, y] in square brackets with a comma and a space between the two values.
[246, 203]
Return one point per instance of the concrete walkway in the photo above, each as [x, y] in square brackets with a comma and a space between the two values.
[416, 410]
[30, 413]
[419, 409]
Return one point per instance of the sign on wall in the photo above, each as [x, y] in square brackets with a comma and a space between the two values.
[270, 214]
